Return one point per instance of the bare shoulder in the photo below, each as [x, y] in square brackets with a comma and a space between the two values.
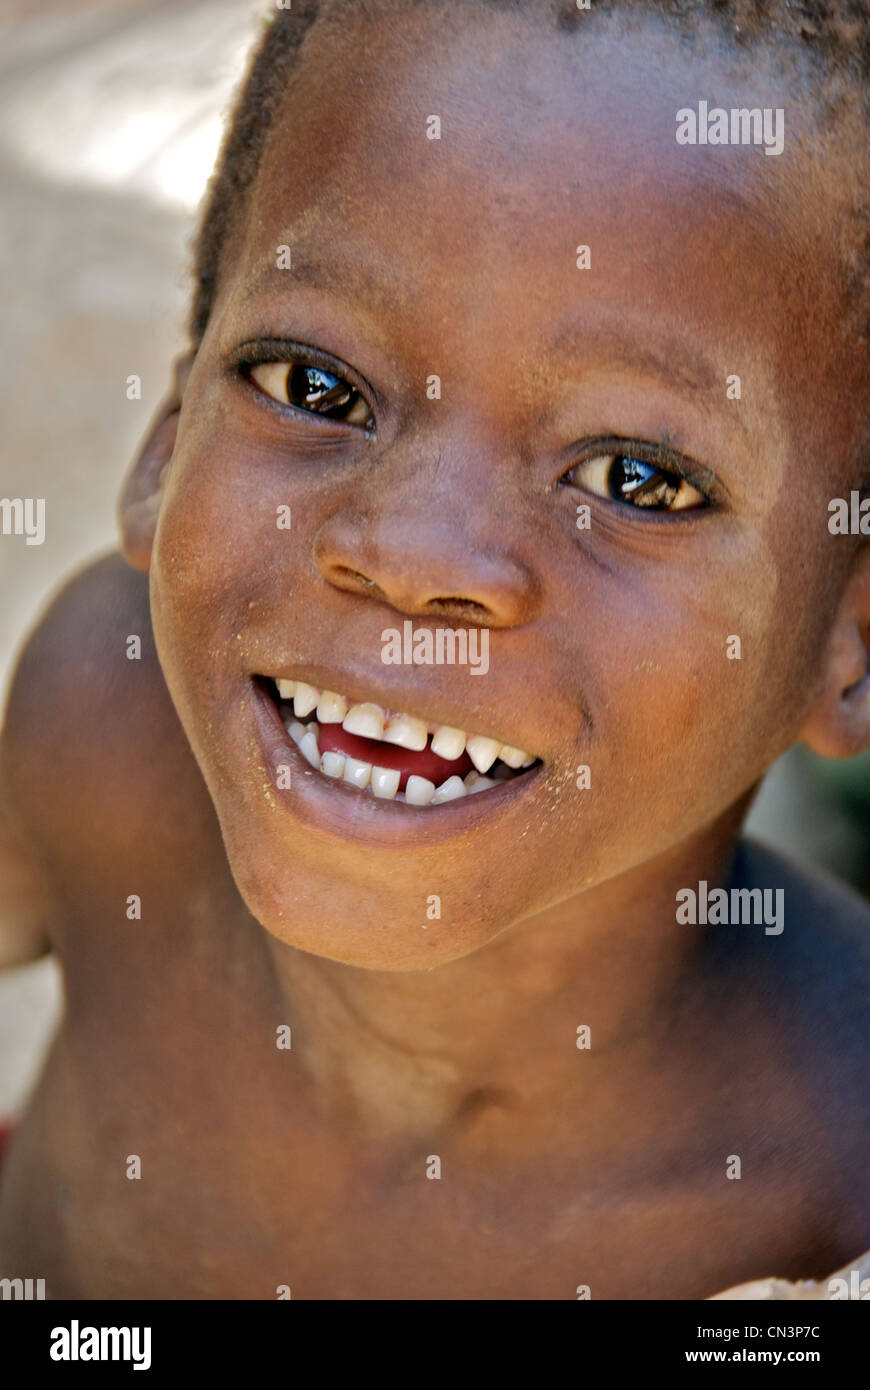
[825, 923]
[69, 701]
[820, 964]
[95, 766]
[814, 980]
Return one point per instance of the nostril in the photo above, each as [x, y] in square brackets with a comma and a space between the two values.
[455, 607]
[352, 579]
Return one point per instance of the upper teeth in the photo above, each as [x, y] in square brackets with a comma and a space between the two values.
[366, 720]
[370, 720]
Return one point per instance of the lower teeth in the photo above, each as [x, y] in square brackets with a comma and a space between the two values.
[383, 782]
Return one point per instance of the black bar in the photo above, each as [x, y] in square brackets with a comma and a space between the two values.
[247, 1338]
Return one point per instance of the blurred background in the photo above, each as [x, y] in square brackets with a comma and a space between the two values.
[110, 120]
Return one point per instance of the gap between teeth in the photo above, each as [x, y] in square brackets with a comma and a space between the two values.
[369, 720]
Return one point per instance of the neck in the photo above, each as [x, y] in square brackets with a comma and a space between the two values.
[406, 1054]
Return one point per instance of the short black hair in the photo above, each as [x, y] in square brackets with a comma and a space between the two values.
[834, 33]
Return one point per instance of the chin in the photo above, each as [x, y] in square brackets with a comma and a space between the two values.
[400, 927]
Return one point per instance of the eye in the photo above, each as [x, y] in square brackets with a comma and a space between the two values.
[637, 482]
[311, 389]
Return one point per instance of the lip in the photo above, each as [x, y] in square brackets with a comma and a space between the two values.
[342, 812]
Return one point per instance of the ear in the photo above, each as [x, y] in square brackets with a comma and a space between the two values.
[142, 491]
[838, 723]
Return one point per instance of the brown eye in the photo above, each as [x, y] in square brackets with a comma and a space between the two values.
[634, 481]
[311, 389]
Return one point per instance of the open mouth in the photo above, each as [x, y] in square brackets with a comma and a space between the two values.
[388, 754]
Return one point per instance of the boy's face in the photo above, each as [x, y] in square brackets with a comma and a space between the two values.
[414, 257]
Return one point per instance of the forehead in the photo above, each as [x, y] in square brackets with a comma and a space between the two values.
[549, 140]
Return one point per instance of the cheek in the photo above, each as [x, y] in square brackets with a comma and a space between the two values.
[199, 602]
[214, 553]
[690, 683]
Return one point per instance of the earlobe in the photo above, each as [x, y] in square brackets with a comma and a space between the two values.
[838, 722]
[142, 491]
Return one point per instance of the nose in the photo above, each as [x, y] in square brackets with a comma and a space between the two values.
[428, 565]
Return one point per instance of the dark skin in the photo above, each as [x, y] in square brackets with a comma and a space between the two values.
[263, 906]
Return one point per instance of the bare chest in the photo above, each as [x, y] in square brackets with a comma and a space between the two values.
[201, 1190]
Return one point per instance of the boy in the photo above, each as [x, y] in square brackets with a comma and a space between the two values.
[479, 347]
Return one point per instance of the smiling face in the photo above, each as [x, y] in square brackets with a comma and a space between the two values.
[457, 508]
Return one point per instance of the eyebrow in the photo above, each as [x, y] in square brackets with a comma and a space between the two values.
[599, 343]
[667, 358]
[381, 284]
